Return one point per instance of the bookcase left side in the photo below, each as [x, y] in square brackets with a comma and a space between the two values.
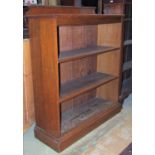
[44, 55]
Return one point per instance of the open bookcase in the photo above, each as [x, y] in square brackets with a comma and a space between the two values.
[76, 63]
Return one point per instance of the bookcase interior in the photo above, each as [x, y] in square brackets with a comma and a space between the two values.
[89, 58]
[80, 109]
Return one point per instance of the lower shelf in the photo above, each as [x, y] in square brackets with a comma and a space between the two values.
[81, 85]
[62, 142]
[73, 117]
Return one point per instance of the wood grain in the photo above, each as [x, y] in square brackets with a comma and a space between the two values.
[28, 100]
[113, 33]
[35, 10]
[109, 91]
[71, 38]
[81, 85]
[45, 65]
[84, 52]
[109, 63]
[73, 83]
[72, 117]
[59, 144]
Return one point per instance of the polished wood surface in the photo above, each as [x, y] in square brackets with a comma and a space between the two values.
[28, 98]
[113, 34]
[45, 74]
[70, 89]
[36, 10]
[84, 52]
[59, 144]
[71, 70]
[81, 85]
[28, 107]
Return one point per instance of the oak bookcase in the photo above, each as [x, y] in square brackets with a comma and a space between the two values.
[76, 66]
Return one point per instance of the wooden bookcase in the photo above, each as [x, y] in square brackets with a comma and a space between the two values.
[76, 66]
[28, 102]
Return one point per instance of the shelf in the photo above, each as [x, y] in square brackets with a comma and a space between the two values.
[81, 85]
[93, 108]
[127, 42]
[83, 52]
[127, 65]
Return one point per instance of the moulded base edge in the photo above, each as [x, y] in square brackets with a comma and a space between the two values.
[65, 140]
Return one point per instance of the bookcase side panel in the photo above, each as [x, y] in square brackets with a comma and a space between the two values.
[44, 54]
[109, 63]
[109, 91]
[110, 34]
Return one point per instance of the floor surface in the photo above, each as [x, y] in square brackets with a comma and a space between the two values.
[109, 138]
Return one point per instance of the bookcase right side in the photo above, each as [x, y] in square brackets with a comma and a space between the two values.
[110, 62]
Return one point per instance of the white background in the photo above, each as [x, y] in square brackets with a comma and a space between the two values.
[11, 77]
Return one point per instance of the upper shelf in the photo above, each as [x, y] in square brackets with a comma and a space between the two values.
[81, 85]
[83, 52]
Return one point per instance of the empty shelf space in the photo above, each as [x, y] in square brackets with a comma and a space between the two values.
[83, 52]
[78, 86]
[127, 65]
[78, 115]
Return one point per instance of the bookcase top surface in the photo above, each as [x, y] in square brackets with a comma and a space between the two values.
[77, 19]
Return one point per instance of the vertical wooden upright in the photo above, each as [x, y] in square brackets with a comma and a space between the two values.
[45, 74]
[28, 105]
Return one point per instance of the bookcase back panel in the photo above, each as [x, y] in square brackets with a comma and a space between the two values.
[76, 37]
[76, 69]
[83, 107]
[76, 102]
[110, 34]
